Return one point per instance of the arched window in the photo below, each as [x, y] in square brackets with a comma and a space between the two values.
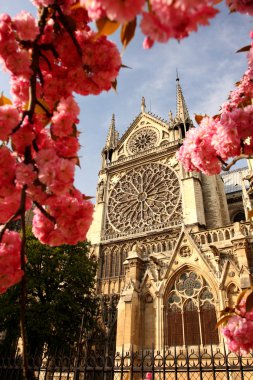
[239, 217]
[190, 316]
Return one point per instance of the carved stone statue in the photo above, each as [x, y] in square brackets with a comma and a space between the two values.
[101, 191]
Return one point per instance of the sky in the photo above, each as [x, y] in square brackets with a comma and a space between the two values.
[208, 67]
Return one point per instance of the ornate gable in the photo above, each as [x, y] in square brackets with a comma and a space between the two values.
[146, 133]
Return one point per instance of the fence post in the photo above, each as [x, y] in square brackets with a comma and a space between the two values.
[132, 363]
[122, 363]
[226, 360]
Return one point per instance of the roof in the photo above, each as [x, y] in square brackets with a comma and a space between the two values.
[232, 180]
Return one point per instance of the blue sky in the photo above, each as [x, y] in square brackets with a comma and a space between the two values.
[208, 68]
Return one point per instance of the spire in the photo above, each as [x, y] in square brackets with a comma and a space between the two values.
[113, 135]
[182, 113]
[143, 105]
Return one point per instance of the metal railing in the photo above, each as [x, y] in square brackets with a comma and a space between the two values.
[171, 364]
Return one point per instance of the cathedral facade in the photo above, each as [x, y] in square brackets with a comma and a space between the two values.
[172, 247]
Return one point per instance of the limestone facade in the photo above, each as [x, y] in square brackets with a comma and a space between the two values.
[169, 255]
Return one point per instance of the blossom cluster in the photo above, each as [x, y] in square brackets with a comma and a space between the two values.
[162, 20]
[48, 60]
[10, 272]
[223, 136]
[239, 331]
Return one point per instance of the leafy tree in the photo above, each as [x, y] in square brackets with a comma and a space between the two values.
[60, 294]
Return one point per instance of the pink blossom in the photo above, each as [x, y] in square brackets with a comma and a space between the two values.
[7, 171]
[67, 147]
[25, 174]
[147, 43]
[26, 26]
[243, 6]
[58, 175]
[95, 9]
[9, 119]
[102, 62]
[64, 117]
[197, 153]
[10, 265]
[119, 10]
[23, 137]
[73, 216]
[19, 90]
[176, 19]
[239, 334]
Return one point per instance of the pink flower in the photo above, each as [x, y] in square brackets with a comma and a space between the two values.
[7, 171]
[67, 147]
[239, 334]
[10, 266]
[94, 8]
[26, 26]
[243, 6]
[9, 119]
[73, 216]
[176, 19]
[119, 10]
[25, 174]
[65, 117]
[101, 60]
[23, 137]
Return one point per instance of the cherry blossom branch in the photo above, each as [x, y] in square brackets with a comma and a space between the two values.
[44, 212]
[66, 25]
[226, 166]
[26, 372]
[13, 217]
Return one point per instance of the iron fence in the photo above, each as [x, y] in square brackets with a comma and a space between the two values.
[196, 363]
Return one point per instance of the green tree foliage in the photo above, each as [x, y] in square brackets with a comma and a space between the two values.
[60, 290]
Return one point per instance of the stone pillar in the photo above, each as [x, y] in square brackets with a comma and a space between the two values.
[95, 232]
[129, 306]
[192, 197]
[241, 250]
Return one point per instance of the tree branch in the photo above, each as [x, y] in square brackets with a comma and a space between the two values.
[226, 166]
[44, 212]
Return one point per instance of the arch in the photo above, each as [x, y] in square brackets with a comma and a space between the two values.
[227, 235]
[189, 304]
[239, 216]
[220, 235]
[215, 237]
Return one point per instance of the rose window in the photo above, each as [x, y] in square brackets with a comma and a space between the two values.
[189, 284]
[147, 196]
[144, 139]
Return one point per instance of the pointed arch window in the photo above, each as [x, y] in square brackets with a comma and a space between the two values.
[190, 316]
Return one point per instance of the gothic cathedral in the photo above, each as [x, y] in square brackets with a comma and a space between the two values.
[172, 247]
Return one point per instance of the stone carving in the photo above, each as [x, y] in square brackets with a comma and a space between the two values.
[185, 251]
[101, 191]
[189, 284]
[146, 196]
[143, 139]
